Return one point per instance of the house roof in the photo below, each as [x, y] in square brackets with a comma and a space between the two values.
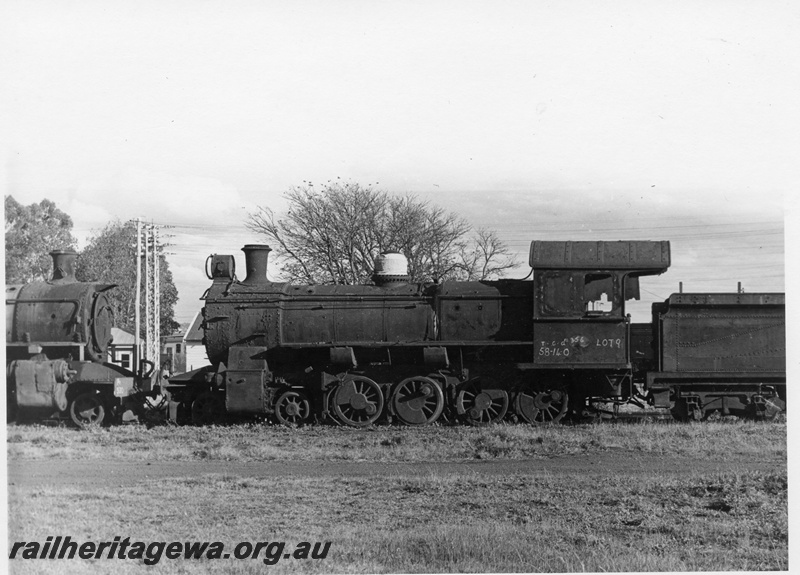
[195, 331]
[121, 337]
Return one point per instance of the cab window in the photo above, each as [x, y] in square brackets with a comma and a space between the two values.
[576, 294]
[598, 293]
[556, 294]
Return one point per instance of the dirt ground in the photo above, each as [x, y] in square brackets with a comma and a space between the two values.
[106, 473]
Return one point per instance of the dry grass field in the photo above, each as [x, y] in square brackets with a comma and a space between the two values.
[393, 443]
[432, 521]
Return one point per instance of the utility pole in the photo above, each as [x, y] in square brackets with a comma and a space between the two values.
[137, 352]
[148, 235]
[152, 295]
[148, 297]
[156, 298]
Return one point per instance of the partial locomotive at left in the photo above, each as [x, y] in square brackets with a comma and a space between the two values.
[57, 338]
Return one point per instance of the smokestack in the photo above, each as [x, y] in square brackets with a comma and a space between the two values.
[255, 258]
[64, 266]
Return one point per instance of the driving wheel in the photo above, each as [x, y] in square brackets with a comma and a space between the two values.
[417, 401]
[358, 401]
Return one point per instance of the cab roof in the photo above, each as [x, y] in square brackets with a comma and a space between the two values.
[605, 255]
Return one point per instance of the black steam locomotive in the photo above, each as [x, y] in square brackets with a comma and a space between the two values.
[481, 351]
[57, 338]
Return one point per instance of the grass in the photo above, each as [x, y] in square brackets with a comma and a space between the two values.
[429, 523]
[390, 443]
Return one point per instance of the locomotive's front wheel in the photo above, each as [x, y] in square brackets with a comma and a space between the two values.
[88, 410]
[292, 408]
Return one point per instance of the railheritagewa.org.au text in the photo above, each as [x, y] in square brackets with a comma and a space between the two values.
[151, 552]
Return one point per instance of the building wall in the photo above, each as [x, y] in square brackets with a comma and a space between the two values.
[173, 347]
[172, 351]
[195, 356]
[120, 352]
[121, 355]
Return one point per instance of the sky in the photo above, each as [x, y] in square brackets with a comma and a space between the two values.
[542, 120]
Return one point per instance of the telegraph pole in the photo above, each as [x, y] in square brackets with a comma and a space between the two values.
[137, 316]
[148, 297]
[147, 234]
[156, 298]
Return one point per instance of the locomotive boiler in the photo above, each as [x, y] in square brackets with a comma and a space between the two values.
[477, 352]
[57, 337]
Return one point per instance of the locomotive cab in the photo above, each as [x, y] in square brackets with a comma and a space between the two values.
[580, 290]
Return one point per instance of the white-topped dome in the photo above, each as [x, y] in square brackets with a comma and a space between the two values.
[391, 264]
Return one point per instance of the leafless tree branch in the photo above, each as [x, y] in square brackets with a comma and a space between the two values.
[333, 233]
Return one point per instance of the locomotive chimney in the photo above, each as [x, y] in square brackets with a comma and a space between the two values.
[64, 266]
[256, 257]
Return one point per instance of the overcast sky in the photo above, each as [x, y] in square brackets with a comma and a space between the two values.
[542, 120]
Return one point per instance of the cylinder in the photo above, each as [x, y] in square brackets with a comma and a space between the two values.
[39, 385]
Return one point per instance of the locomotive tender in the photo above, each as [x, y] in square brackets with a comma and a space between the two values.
[480, 351]
[57, 337]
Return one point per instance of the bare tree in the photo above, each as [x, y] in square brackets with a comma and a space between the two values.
[334, 232]
[488, 257]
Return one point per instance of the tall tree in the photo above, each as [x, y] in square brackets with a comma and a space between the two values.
[32, 232]
[110, 257]
[332, 234]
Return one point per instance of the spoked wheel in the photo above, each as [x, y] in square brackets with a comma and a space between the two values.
[292, 408]
[417, 401]
[208, 408]
[482, 402]
[539, 407]
[88, 410]
[358, 401]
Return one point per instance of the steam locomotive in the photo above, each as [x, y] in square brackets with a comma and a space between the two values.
[57, 337]
[479, 352]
